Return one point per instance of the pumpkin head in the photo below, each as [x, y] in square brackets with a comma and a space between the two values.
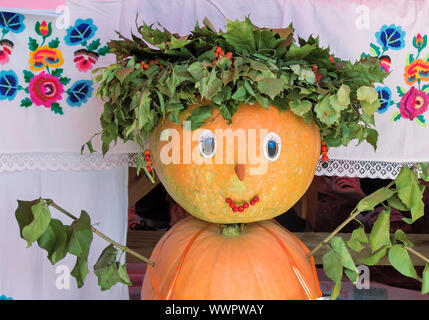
[194, 260]
[263, 161]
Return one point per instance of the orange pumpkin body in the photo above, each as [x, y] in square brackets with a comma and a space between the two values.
[202, 188]
[194, 260]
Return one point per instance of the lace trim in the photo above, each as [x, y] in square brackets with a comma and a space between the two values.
[360, 169]
[73, 161]
[64, 161]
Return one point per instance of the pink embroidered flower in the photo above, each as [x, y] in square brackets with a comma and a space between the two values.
[413, 103]
[45, 89]
[6, 48]
[85, 59]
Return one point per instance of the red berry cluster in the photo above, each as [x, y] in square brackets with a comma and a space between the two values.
[244, 206]
[324, 150]
[145, 65]
[317, 75]
[148, 161]
[219, 54]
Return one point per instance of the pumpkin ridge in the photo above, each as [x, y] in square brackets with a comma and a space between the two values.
[182, 260]
[292, 263]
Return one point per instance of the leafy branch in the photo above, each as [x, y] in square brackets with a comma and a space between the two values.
[405, 193]
[36, 224]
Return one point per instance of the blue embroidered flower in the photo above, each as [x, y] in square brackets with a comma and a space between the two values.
[3, 297]
[80, 32]
[11, 21]
[8, 85]
[385, 97]
[391, 37]
[79, 93]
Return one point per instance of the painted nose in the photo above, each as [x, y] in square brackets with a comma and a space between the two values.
[239, 171]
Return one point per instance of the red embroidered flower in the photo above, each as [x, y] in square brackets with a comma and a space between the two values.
[6, 48]
[85, 59]
[45, 89]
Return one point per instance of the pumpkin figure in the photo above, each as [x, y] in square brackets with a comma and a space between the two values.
[198, 260]
[264, 177]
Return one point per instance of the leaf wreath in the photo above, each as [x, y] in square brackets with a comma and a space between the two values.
[157, 74]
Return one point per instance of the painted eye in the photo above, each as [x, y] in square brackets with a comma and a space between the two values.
[207, 143]
[272, 146]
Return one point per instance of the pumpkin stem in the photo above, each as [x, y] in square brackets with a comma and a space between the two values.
[232, 229]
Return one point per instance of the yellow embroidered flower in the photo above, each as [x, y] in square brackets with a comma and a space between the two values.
[417, 70]
[45, 57]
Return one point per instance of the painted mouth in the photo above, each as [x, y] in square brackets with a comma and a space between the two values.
[235, 206]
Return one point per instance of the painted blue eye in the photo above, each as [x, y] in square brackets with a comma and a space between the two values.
[272, 146]
[207, 143]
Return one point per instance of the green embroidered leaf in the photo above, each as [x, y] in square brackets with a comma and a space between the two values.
[28, 75]
[26, 103]
[375, 50]
[57, 72]
[32, 44]
[401, 261]
[103, 51]
[401, 90]
[425, 88]
[65, 80]
[380, 233]
[93, 45]
[421, 121]
[54, 43]
[396, 116]
[56, 108]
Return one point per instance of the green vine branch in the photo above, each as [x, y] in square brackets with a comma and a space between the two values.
[51, 203]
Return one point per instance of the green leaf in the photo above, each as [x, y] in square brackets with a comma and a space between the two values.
[339, 246]
[108, 271]
[407, 185]
[374, 259]
[23, 213]
[199, 115]
[333, 269]
[368, 98]
[343, 95]
[54, 241]
[401, 261]
[121, 74]
[370, 202]
[196, 70]
[26, 102]
[41, 220]
[401, 237]
[424, 167]
[80, 236]
[371, 137]
[211, 85]
[32, 44]
[270, 87]
[380, 233]
[300, 107]
[396, 203]
[239, 34]
[240, 93]
[357, 239]
[54, 43]
[325, 112]
[425, 279]
[80, 271]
